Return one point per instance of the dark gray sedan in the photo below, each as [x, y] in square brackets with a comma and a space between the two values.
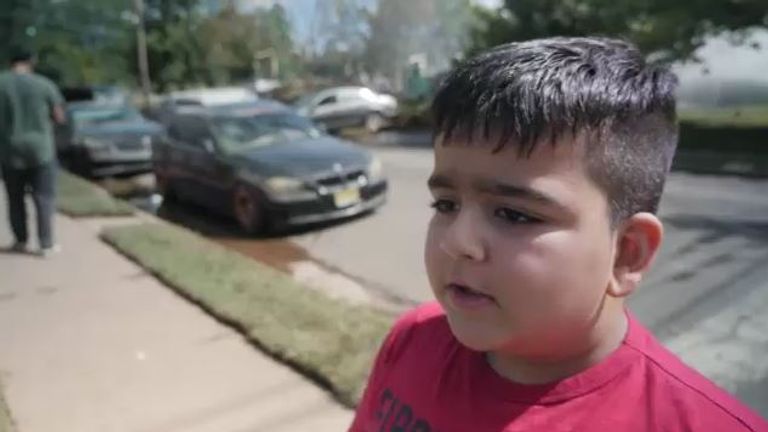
[101, 140]
[266, 166]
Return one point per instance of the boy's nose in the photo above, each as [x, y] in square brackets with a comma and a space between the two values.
[463, 239]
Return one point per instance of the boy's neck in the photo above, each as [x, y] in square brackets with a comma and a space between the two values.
[608, 334]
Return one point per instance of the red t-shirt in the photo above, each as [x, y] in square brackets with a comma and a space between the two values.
[425, 380]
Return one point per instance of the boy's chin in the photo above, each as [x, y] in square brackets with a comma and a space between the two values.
[475, 336]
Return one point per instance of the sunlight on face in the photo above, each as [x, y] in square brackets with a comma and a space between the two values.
[519, 250]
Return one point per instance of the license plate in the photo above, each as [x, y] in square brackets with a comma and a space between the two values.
[346, 197]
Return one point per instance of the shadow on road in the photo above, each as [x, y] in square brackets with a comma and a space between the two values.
[717, 229]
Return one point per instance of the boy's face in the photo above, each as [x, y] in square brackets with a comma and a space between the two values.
[520, 250]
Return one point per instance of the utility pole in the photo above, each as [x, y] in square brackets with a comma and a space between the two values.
[141, 42]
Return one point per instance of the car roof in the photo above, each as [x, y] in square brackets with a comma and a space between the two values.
[215, 96]
[241, 109]
[347, 88]
[93, 106]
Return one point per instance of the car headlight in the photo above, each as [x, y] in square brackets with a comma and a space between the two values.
[283, 184]
[94, 144]
[287, 189]
[97, 148]
[375, 170]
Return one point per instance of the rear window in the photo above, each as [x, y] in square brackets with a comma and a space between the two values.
[95, 116]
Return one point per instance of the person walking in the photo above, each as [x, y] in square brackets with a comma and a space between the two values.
[29, 106]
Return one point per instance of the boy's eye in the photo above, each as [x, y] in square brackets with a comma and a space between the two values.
[514, 216]
[443, 206]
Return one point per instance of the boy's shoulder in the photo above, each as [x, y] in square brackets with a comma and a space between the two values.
[684, 388]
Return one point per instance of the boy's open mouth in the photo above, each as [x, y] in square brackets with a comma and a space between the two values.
[464, 296]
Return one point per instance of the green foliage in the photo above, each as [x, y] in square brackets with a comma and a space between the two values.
[77, 41]
[671, 30]
[94, 41]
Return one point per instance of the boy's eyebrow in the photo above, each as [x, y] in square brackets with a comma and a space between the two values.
[507, 190]
[437, 181]
[493, 187]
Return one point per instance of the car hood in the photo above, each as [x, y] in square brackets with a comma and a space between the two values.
[305, 158]
[129, 128]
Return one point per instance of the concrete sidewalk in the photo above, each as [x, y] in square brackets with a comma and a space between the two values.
[91, 342]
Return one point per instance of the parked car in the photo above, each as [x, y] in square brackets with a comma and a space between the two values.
[104, 94]
[101, 140]
[266, 166]
[207, 97]
[342, 107]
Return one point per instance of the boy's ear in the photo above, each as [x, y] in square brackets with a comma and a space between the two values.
[637, 243]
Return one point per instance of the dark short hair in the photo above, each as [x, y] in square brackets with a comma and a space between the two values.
[21, 54]
[526, 93]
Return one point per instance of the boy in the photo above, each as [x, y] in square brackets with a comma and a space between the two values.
[550, 160]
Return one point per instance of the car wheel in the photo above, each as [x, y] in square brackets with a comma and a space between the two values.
[248, 211]
[374, 122]
[164, 187]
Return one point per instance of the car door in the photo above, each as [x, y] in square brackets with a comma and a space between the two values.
[173, 160]
[207, 171]
[347, 108]
[326, 111]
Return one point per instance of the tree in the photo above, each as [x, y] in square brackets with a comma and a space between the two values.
[77, 41]
[238, 46]
[434, 29]
[669, 30]
[175, 44]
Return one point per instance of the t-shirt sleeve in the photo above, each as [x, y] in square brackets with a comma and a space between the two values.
[54, 95]
[387, 355]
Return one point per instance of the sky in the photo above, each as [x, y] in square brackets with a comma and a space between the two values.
[728, 62]
[724, 61]
[302, 11]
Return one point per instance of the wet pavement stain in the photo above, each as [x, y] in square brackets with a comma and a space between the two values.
[279, 254]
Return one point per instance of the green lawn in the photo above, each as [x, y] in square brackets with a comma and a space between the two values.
[80, 198]
[328, 340]
[6, 423]
[734, 117]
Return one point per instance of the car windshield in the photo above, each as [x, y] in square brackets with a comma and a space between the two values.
[95, 116]
[236, 134]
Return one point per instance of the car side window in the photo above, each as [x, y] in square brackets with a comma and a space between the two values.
[328, 100]
[190, 131]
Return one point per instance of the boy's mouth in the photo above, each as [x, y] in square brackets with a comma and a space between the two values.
[465, 297]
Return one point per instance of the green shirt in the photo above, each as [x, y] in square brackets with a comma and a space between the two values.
[26, 128]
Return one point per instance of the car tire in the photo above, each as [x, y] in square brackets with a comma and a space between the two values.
[164, 187]
[248, 210]
[374, 122]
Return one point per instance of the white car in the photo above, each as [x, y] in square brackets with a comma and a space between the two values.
[206, 97]
[340, 107]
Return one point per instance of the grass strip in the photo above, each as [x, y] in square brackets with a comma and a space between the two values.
[80, 198]
[330, 341]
